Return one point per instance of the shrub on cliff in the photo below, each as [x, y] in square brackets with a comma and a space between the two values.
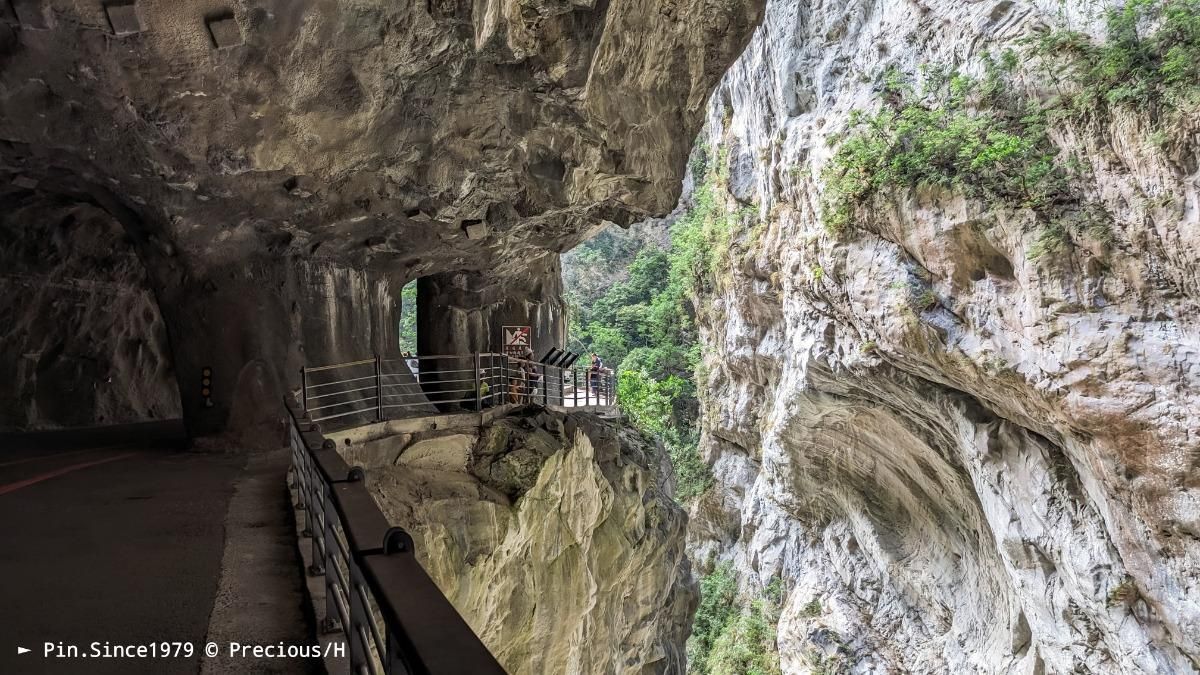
[732, 636]
[954, 132]
[649, 404]
[1149, 59]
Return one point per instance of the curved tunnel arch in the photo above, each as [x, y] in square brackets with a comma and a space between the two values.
[84, 340]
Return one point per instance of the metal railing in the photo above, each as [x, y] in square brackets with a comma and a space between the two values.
[378, 389]
[396, 620]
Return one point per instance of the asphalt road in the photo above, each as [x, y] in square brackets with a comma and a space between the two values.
[110, 536]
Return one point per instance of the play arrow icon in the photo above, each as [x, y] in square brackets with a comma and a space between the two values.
[22, 650]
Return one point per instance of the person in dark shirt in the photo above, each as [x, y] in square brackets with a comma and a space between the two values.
[595, 373]
[532, 377]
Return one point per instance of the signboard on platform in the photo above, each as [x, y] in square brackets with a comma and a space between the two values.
[517, 340]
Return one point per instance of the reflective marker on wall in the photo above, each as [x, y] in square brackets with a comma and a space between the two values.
[206, 386]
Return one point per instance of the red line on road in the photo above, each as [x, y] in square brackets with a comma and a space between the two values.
[56, 454]
[13, 487]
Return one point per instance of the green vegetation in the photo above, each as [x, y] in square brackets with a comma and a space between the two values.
[643, 320]
[644, 327]
[698, 162]
[984, 139]
[812, 609]
[703, 235]
[821, 664]
[732, 638]
[1052, 239]
[747, 644]
[955, 132]
[1123, 593]
[408, 317]
[973, 137]
[1148, 61]
[718, 606]
[650, 406]
[926, 299]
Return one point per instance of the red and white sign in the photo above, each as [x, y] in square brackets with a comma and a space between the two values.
[517, 340]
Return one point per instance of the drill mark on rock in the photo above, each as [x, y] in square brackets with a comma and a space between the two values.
[123, 17]
[33, 14]
[224, 30]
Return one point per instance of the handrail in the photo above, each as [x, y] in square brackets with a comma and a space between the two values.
[417, 630]
[438, 382]
[341, 365]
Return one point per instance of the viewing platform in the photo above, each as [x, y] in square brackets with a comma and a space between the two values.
[373, 599]
[374, 390]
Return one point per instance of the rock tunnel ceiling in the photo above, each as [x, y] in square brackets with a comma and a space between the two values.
[409, 137]
[283, 168]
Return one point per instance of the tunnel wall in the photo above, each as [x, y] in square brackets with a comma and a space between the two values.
[465, 312]
[102, 323]
[105, 322]
[82, 341]
[256, 321]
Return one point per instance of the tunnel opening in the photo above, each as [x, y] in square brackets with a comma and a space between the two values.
[460, 314]
[447, 336]
[406, 323]
[83, 342]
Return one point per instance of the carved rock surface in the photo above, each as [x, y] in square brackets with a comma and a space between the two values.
[243, 145]
[81, 339]
[1001, 480]
[558, 544]
[396, 134]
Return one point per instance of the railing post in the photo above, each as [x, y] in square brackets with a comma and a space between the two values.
[378, 389]
[574, 387]
[332, 622]
[304, 387]
[478, 387]
[316, 531]
[298, 474]
[360, 652]
[306, 489]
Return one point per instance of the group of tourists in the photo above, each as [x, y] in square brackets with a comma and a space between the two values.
[523, 378]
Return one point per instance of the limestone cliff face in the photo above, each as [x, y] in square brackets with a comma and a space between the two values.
[970, 459]
[553, 535]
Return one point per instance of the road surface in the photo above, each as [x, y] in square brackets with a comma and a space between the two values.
[118, 536]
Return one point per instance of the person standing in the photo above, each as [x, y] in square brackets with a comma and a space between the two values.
[484, 393]
[530, 372]
[595, 373]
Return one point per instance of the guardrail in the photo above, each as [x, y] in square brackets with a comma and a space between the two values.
[396, 620]
[382, 389]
